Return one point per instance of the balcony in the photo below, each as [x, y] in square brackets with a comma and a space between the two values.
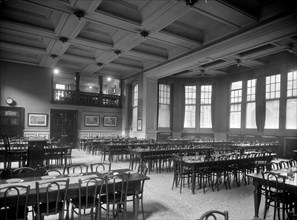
[70, 97]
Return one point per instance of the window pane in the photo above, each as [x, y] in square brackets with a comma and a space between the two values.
[164, 106]
[164, 116]
[272, 114]
[291, 120]
[250, 121]
[235, 109]
[134, 119]
[235, 119]
[205, 116]
[190, 116]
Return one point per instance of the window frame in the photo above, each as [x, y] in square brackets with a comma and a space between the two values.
[238, 103]
[170, 99]
[292, 96]
[273, 99]
[209, 99]
[190, 104]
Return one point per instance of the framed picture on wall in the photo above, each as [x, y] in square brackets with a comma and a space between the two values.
[139, 125]
[37, 120]
[92, 120]
[110, 121]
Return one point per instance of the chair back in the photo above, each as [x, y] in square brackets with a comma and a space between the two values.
[274, 185]
[117, 188]
[89, 190]
[214, 215]
[51, 197]
[53, 172]
[100, 167]
[76, 168]
[14, 203]
[23, 172]
[142, 169]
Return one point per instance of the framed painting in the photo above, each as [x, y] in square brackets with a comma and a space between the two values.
[37, 120]
[110, 121]
[92, 120]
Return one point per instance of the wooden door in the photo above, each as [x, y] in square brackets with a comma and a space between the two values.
[64, 126]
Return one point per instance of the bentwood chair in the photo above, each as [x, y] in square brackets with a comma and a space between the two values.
[100, 167]
[115, 199]
[51, 198]
[142, 169]
[87, 203]
[180, 172]
[214, 215]
[76, 169]
[275, 194]
[23, 172]
[14, 204]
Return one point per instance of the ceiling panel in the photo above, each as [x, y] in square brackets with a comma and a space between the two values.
[156, 38]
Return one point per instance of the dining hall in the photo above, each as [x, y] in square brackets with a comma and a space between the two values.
[148, 109]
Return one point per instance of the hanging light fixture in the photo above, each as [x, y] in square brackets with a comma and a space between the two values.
[191, 2]
[144, 33]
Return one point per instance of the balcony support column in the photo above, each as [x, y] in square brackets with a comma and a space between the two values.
[100, 84]
[77, 80]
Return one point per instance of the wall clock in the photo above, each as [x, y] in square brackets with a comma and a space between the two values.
[9, 101]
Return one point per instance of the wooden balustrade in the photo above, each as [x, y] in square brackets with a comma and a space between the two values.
[85, 98]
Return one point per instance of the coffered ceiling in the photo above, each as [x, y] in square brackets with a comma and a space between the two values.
[160, 38]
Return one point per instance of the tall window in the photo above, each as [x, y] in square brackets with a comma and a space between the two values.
[272, 101]
[190, 107]
[134, 107]
[291, 108]
[164, 106]
[251, 104]
[235, 104]
[205, 107]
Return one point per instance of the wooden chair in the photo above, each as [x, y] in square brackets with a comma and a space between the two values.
[53, 172]
[275, 194]
[213, 215]
[180, 172]
[116, 193]
[51, 198]
[23, 172]
[14, 204]
[100, 167]
[87, 203]
[76, 168]
[142, 169]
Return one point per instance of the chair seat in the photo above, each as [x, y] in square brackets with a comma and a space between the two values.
[52, 207]
[111, 198]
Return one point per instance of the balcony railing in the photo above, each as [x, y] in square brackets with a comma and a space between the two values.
[85, 98]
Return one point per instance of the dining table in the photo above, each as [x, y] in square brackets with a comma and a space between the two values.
[152, 154]
[134, 185]
[258, 182]
[194, 164]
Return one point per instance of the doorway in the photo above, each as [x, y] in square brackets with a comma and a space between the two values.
[64, 126]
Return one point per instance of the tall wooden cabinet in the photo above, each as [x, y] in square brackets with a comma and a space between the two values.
[12, 121]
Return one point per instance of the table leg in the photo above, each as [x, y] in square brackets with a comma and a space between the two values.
[193, 180]
[136, 206]
[257, 199]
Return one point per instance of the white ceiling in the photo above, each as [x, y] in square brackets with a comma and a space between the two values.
[213, 36]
